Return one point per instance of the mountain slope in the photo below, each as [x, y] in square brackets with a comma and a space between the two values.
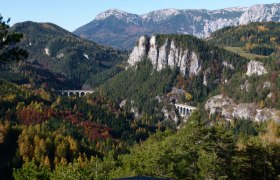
[161, 62]
[255, 38]
[34, 75]
[121, 29]
[260, 42]
[61, 52]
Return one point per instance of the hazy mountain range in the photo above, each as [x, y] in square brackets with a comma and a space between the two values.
[121, 29]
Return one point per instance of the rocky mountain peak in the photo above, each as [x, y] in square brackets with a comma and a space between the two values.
[160, 15]
[238, 9]
[111, 12]
[119, 14]
[198, 22]
[260, 13]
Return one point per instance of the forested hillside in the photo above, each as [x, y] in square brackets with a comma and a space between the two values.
[256, 38]
[145, 88]
[236, 150]
[256, 41]
[49, 131]
[61, 52]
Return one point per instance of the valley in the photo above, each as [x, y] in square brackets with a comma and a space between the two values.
[174, 94]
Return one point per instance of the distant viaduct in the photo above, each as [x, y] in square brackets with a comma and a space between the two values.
[79, 93]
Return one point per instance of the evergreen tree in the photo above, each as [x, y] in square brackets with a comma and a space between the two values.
[8, 49]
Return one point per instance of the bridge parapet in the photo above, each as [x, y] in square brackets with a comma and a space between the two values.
[184, 110]
[80, 93]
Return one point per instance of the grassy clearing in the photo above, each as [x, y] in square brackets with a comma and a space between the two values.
[241, 52]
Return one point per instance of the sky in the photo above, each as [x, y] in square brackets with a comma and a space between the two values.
[71, 14]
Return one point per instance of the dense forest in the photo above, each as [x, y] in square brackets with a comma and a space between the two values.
[48, 130]
[236, 150]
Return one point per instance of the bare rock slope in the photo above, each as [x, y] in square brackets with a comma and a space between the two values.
[121, 29]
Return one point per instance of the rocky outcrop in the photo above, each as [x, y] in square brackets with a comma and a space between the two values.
[230, 110]
[195, 66]
[245, 111]
[153, 53]
[255, 68]
[139, 51]
[266, 85]
[220, 104]
[169, 112]
[206, 75]
[246, 86]
[228, 65]
[47, 51]
[162, 57]
[168, 55]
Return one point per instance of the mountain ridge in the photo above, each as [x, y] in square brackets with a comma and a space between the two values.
[62, 54]
[121, 29]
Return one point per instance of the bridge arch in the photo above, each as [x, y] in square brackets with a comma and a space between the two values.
[78, 93]
[184, 110]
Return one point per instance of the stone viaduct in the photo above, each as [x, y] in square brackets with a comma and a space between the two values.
[184, 110]
[79, 93]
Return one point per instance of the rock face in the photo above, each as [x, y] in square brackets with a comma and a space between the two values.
[260, 13]
[246, 86]
[168, 55]
[231, 110]
[139, 51]
[153, 53]
[255, 67]
[228, 65]
[121, 29]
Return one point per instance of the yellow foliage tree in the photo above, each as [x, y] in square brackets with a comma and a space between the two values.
[47, 162]
[188, 96]
[261, 104]
[4, 127]
[272, 133]
[272, 39]
[262, 28]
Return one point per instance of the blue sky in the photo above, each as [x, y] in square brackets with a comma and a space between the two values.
[71, 14]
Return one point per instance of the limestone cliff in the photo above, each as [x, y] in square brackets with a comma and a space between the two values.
[139, 51]
[230, 110]
[167, 55]
[255, 67]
